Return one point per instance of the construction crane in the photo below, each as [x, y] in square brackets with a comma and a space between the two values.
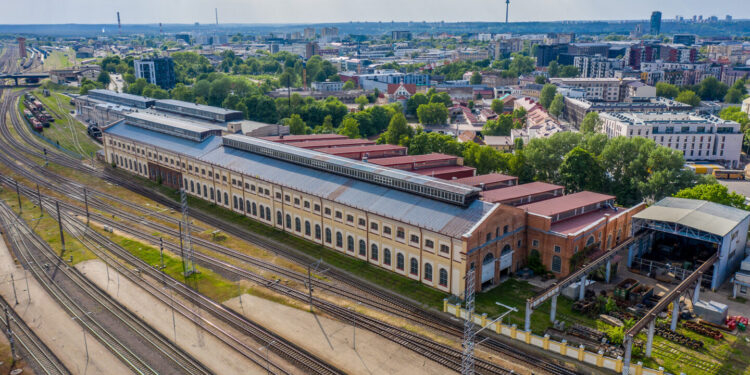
[507, 5]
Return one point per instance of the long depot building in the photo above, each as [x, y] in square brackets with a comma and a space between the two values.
[419, 226]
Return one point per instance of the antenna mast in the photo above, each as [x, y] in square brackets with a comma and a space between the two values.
[467, 359]
[507, 5]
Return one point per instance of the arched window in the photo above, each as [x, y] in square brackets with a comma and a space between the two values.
[506, 250]
[386, 257]
[328, 235]
[350, 243]
[609, 241]
[590, 241]
[488, 258]
[489, 237]
[317, 231]
[308, 229]
[374, 252]
[289, 221]
[362, 248]
[249, 206]
[211, 191]
[255, 209]
[414, 268]
[556, 264]
[297, 224]
[268, 213]
[205, 191]
[428, 271]
[262, 215]
[242, 205]
[443, 277]
[279, 220]
[192, 186]
[339, 239]
[400, 261]
[619, 233]
[234, 201]
[226, 198]
[197, 185]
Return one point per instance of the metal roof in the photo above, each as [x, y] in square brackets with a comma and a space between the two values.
[409, 159]
[706, 216]
[445, 218]
[165, 141]
[302, 137]
[489, 179]
[393, 178]
[330, 143]
[114, 94]
[518, 191]
[199, 107]
[566, 203]
[172, 121]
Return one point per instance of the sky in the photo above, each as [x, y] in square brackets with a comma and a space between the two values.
[322, 11]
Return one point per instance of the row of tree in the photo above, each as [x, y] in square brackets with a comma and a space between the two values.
[709, 89]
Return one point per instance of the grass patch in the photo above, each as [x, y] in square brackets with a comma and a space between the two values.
[47, 228]
[58, 60]
[65, 131]
[514, 292]
[404, 286]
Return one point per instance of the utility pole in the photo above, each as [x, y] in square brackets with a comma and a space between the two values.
[86, 202]
[161, 252]
[9, 332]
[18, 193]
[13, 282]
[467, 359]
[59, 223]
[189, 263]
[39, 195]
[46, 160]
[309, 284]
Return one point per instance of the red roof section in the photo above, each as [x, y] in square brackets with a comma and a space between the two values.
[439, 171]
[518, 191]
[303, 138]
[487, 179]
[311, 145]
[368, 148]
[566, 203]
[410, 87]
[397, 160]
[578, 223]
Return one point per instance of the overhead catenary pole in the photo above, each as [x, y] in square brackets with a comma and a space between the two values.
[467, 359]
[86, 202]
[39, 196]
[9, 333]
[18, 193]
[59, 223]
[13, 282]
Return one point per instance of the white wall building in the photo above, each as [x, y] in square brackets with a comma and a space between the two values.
[746, 106]
[698, 137]
[599, 89]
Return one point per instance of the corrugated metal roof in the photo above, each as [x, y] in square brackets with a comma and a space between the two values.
[396, 160]
[368, 148]
[121, 95]
[490, 178]
[707, 216]
[333, 143]
[518, 191]
[164, 141]
[448, 219]
[199, 107]
[174, 121]
[566, 203]
[302, 138]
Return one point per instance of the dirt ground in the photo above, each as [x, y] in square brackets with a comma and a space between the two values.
[206, 348]
[52, 324]
[332, 340]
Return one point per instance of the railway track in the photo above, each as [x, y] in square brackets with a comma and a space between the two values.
[354, 288]
[33, 349]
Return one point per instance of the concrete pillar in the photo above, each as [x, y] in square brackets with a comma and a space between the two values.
[458, 310]
[527, 338]
[675, 313]
[445, 305]
[734, 290]
[545, 342]
[608, 271]
[650, 341]
[639, 368]
[600, 358]
[581, 352]
[527, 320]
[564, 347]
[582, 290]
[553, 309]
[628, 344]
[618, 364]
[484, 320]
[696, 293]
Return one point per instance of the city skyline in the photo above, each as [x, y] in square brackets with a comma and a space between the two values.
[333, 11]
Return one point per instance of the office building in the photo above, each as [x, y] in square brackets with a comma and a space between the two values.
[684, 39]
[597, 66]
[597, 89]
[577, 108]
[159, 71]
[547, 53]
[311, 49]
[401, 34]
[309, 33]
[698, 137]
[655, 23]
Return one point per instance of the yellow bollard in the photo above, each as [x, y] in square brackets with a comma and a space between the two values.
[545, 343]
[581, 352]
[445, 305]
[564, 347]
[600, 359]
[513, 330]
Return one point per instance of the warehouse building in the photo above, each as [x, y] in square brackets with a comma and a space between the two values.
[199, 111]
[427, 229]
[689, 232]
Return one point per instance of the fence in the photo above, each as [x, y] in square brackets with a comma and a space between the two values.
[578, 353]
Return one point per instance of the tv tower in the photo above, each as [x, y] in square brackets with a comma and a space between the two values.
[507, 5]
[119, 26]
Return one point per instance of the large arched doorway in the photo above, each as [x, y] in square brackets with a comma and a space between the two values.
[488, 268]
[506, 261]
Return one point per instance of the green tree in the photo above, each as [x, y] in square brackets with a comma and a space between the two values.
[476, 78]
[712, 89]
[734, 96]
[500, 126]
[136, 88]
[497, 106]
[432, 114]
[519, 114]
[591, 123]
[362, 101]
[104, 78]
[287, 79]
[349, 127]
[667, 90]
[556, 108]
[326, 127]
[716, 193]
[547, 95]
[349, 85]
[540, 80]
[689, 97]
[569, 71]
[414, 102]
[580, 170]
[296, 125]
[398, 130]
[553, 69]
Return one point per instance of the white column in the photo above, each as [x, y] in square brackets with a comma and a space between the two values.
[582, 290]
[527, 322]
[696, 293]
[628, 344]
[608, 274]
[675, 313]
[553, 309]
[650, 342]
